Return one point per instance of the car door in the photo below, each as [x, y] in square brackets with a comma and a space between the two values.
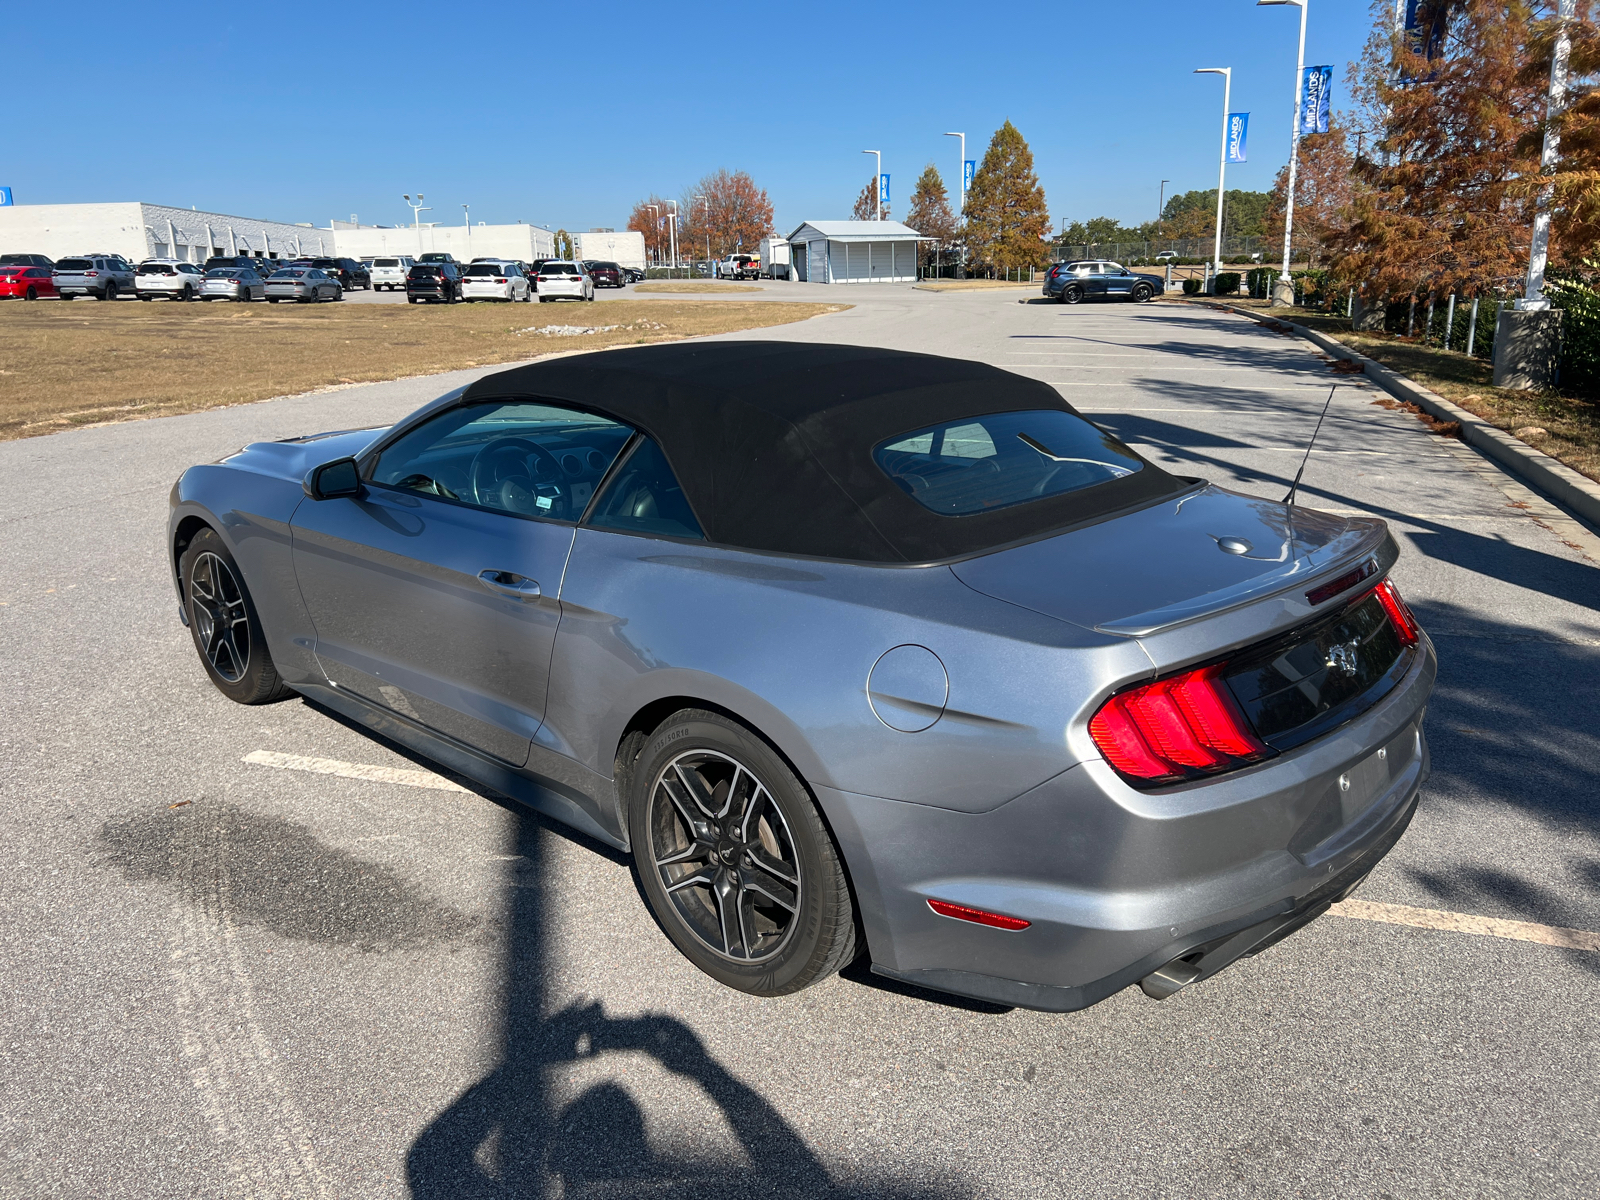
[1119, 280]
[434, 593]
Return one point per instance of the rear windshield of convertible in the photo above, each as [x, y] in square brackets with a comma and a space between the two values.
[982, 463]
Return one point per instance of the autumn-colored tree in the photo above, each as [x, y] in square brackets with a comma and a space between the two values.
[1443, 206]
[728, 207]
[1006, 215]
[649, 217]
[930, 213]
[1323, 190]
[866, 206]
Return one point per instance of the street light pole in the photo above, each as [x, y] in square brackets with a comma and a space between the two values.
[466, 220]
[961, 191]
[656, 226]
[1283, 292]
[417, 210]
[1534, 299]
[672, 231]
[707, 204]
[877, 184]
[1222, 168]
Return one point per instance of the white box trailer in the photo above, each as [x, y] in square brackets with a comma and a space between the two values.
[626, 249]
[775, 262]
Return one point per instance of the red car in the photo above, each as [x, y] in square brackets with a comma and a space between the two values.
[28, 282]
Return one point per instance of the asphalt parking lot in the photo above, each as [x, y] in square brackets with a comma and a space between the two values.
[256, 952]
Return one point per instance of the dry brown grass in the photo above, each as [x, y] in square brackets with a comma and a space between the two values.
[1565, 427]
[65, 365]
[690, 286]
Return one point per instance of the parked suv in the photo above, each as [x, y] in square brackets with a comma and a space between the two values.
[103, 276]
[350, 273]
[495, 280]
[238, 262]
[168, 277]
[439, 281]
[389, 273]
[26, 260]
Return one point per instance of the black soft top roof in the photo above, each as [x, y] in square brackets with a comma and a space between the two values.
[773, 441]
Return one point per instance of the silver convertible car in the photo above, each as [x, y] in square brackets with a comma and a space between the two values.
[855, 651]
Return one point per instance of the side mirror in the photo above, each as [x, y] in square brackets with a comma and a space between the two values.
[332, 480]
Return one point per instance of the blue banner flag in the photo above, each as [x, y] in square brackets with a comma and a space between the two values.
[967, 169]
[1316, 93]
[1238, 131]
[5, 196]
[883, 188]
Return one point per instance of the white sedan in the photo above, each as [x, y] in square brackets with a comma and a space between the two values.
[569, 280]
[495, 281]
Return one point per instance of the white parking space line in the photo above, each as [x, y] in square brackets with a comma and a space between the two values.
[1433, 918]
[350, 770]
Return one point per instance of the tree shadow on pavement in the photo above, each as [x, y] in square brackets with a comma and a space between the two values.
[508, 1136]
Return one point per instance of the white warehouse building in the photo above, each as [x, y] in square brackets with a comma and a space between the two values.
[855, 252]
[521, 243]
[138, 231]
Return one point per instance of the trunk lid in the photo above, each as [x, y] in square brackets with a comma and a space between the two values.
[1179, 561]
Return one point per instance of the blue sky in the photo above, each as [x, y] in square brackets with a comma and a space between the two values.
[564, 115]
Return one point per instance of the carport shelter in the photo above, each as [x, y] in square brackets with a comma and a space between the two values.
[855, 252]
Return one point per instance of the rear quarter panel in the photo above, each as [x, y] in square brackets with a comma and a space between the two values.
[788, 644]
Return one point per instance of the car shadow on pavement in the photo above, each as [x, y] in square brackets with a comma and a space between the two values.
[514, 1134]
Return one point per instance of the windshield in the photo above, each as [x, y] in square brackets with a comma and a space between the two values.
[485, 269]
[157, 269]
[74, 264]
[288, 273]
[386, 262]
[424, 272]
[558, 269]
[225, 273]
[984, 463]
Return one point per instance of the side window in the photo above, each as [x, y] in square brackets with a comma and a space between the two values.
[644, 497]
[520, 457]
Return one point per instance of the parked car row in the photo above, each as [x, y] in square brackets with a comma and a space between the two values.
[436, 277]
[440, 279]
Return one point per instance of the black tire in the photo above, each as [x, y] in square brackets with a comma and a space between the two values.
[31, 294]
[272, 299]
[1142, 292]
[224, 626]
[772, 952]
[1071, 294]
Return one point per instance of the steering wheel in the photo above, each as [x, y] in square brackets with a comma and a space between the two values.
[519, 490]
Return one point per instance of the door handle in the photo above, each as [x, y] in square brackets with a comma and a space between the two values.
[509, 583]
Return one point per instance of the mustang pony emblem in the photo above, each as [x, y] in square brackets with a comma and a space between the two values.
[1342, 658]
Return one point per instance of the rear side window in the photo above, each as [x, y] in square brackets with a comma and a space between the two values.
[984, 463]
[644, 497]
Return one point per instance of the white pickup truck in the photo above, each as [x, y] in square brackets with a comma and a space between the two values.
[739, 266]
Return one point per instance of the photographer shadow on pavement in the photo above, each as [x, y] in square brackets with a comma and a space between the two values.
[505, 1137]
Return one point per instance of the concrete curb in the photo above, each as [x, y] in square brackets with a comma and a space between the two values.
[1555, 479]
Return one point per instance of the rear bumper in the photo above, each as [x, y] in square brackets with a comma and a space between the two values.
[1118, 883]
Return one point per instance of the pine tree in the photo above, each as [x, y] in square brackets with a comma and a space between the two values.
[1006, 215]
[1443, 206]
[866, 207]
[930, 213]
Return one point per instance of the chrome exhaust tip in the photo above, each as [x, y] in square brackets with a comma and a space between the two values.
[1164, 981]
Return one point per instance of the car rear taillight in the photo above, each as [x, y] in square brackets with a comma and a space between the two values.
[1176, 728]
[499, 280]
[1405, 624]
[92, 274]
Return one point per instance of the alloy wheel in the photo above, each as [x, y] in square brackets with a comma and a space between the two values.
[222, 627]
[725, 855]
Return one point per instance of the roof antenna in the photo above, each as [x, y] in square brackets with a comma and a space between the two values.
[1295, 486]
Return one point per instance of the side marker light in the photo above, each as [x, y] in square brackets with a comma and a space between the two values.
[977, 915]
